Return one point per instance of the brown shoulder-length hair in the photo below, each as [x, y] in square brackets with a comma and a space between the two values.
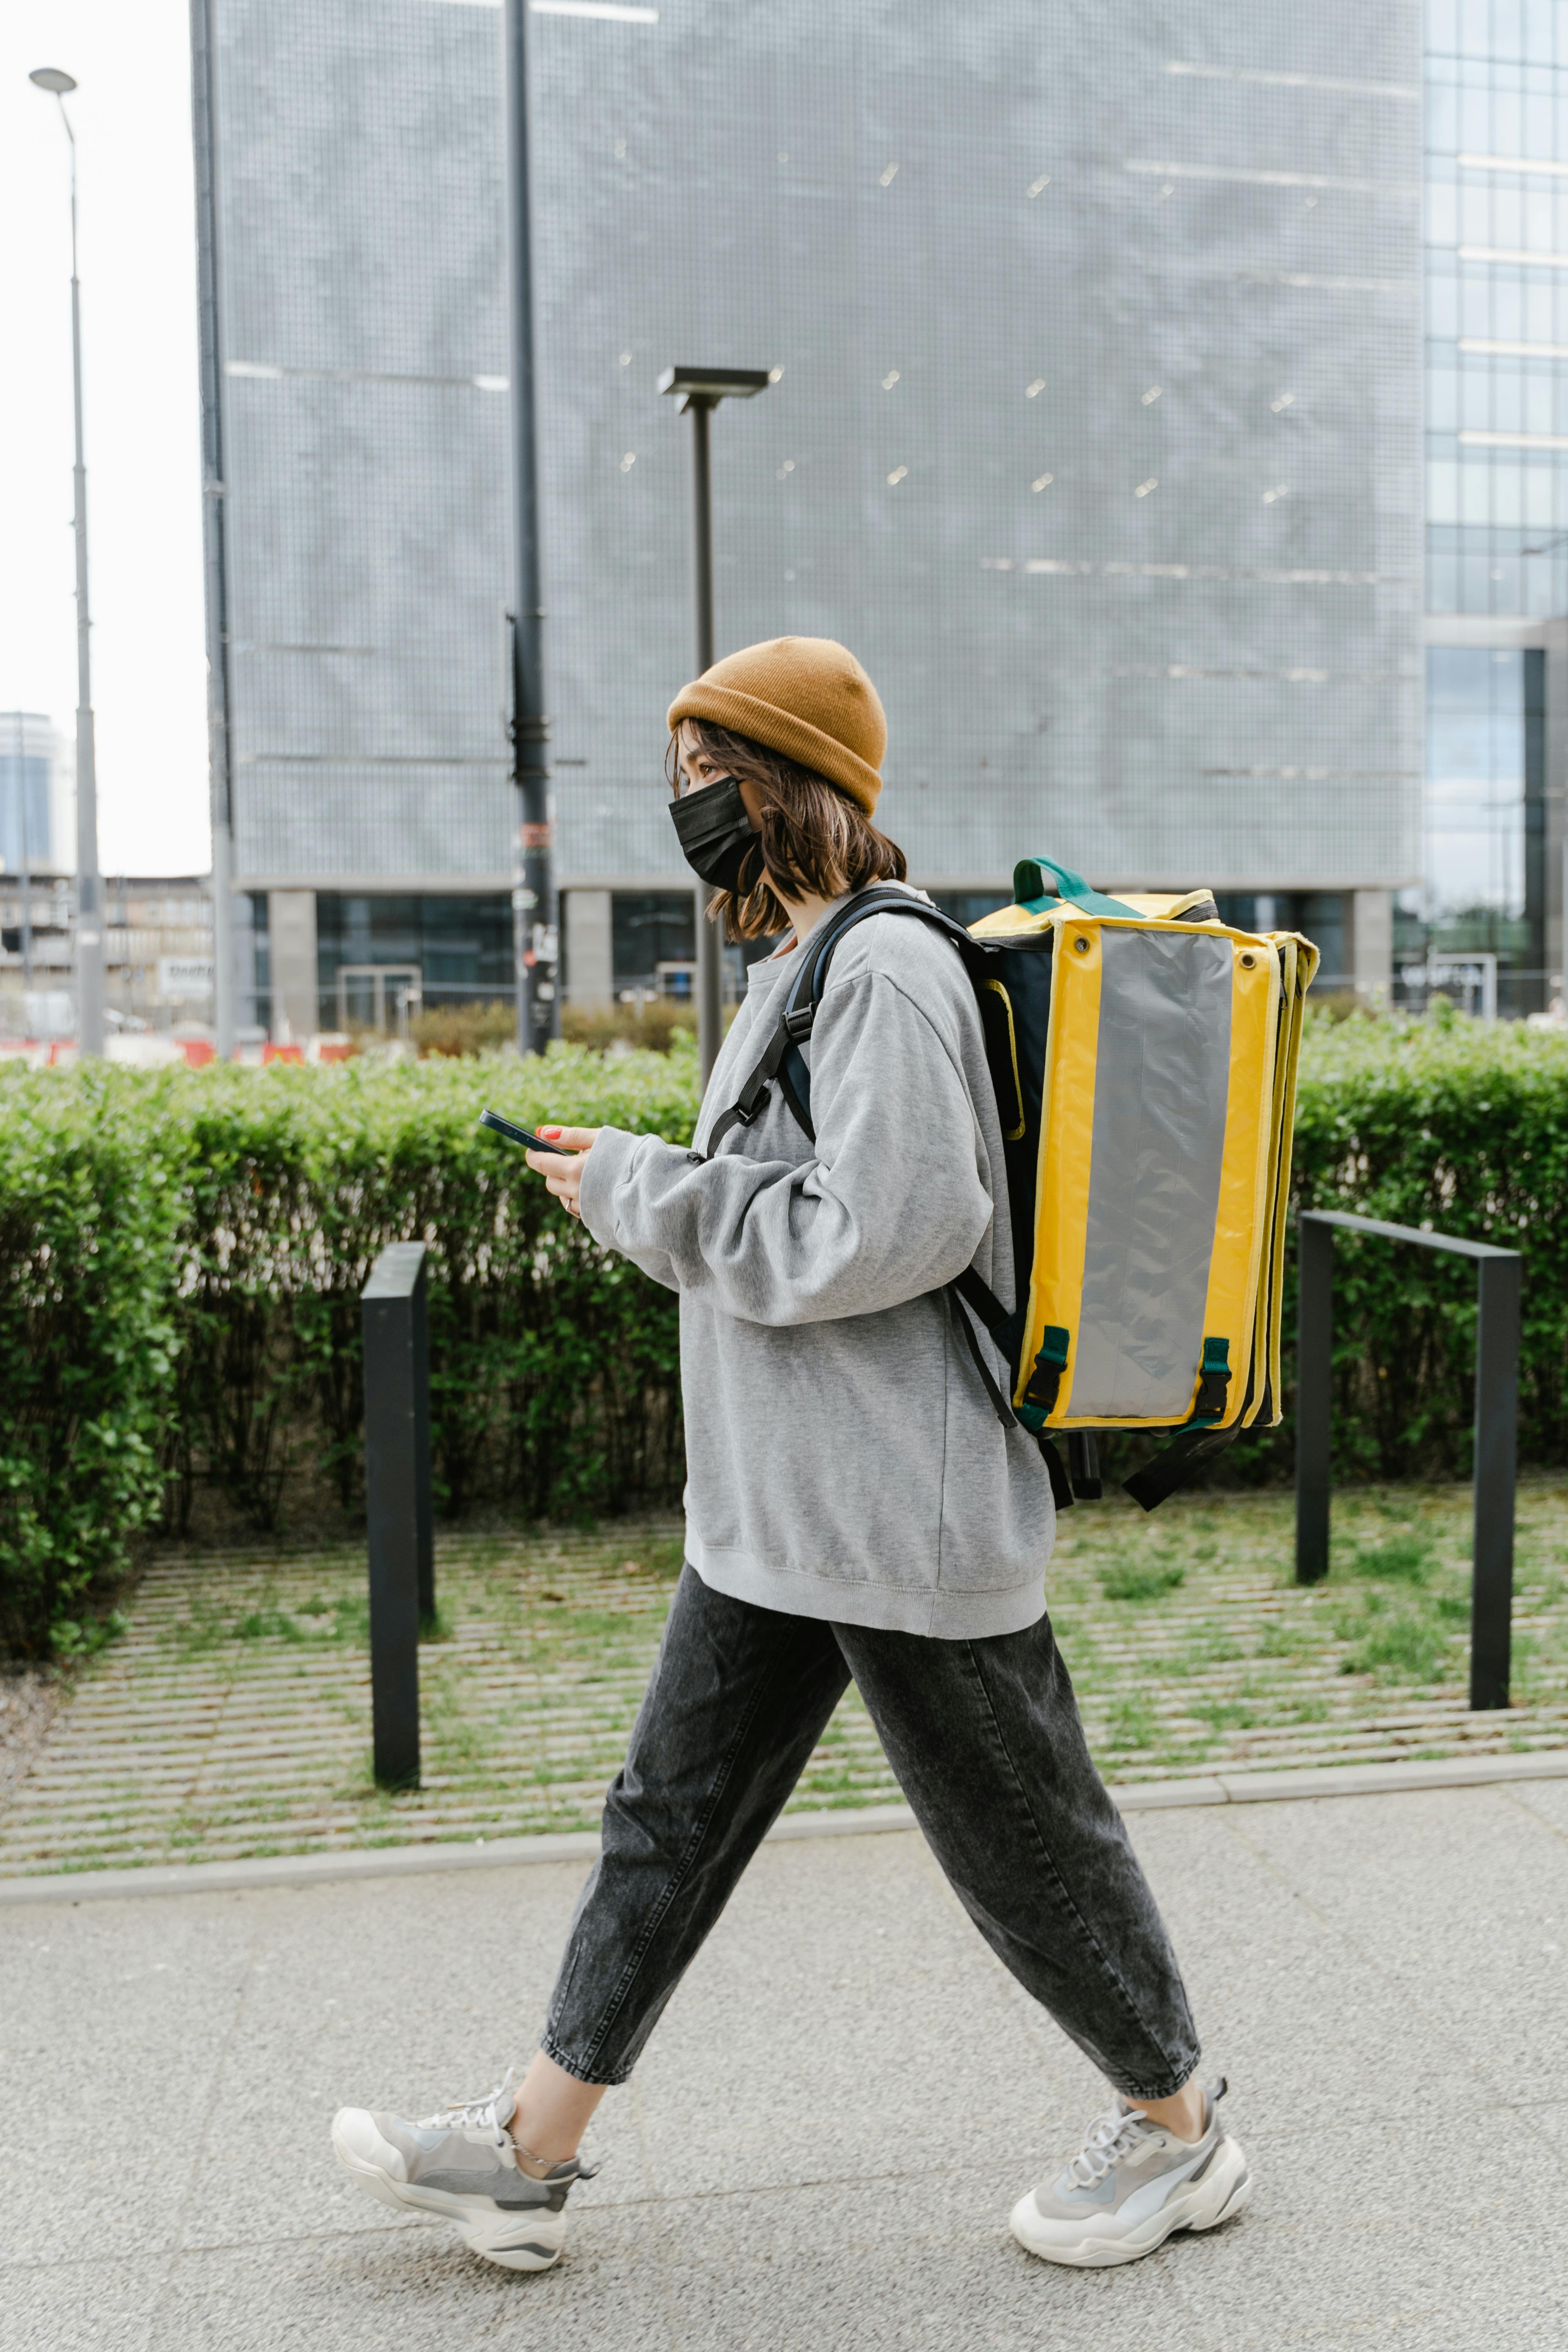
[813, 839]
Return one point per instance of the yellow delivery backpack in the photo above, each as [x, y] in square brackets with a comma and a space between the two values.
[1143, 1055]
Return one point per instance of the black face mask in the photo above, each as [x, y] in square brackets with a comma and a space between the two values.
[714, 832]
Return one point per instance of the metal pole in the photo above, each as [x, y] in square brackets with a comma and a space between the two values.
[710, 947]
[1497, 1424]
[535, 928]
[26, 867]
[703, 532]
[88, 881]
[397, 1502]
[214, 534]
[424, 1513]
[1314, 1395]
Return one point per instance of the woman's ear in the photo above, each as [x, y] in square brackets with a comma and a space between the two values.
[753, 800]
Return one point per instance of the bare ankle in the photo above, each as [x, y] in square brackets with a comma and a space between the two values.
[1183, 2114]
[550, 2116]
[536, 2167]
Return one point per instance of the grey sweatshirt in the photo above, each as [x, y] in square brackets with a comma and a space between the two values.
[843, 1459]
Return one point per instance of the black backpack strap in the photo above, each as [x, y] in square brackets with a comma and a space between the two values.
[1061, 1485]
[1006, 1329]
[783, 1058]
[812, 979]
[999, 1404]
[1083, 1461]
[794, 1084]
[1192, 1451]
[753, 1094]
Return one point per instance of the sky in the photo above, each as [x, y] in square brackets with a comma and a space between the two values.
[132, 121]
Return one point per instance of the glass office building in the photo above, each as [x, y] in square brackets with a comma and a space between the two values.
[1094, 428]
[1486, 923]
[27, 780]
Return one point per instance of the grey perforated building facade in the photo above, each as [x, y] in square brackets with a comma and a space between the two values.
[1097, 433]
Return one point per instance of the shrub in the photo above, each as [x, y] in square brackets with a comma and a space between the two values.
[91, 1202]
[1461, 1128]
[655, 1027]
[458, 1029]
[552, 1362]
[181, 1253]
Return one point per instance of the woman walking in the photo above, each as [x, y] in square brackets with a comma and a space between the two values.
[854, 1512]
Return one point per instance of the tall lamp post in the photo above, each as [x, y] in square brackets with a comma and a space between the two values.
[215, 525]
[698, 392]
[88, 882]
[534, 927]
[27, 862]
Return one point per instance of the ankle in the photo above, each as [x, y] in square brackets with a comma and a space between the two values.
[1184, 2116]
[537, 2146]
[551, 2111]
[535, 2167]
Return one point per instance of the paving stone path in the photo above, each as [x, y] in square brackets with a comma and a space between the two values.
[233, 1717]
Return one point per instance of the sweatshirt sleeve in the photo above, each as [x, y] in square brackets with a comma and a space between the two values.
[892, 1205]
[654, 1263]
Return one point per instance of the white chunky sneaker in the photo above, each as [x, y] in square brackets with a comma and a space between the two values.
[1130, 2186]
[460, 2165]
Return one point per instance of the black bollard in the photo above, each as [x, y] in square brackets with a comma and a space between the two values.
[397, 1503]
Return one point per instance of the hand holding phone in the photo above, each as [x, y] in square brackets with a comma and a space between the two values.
[570, 1146]
[523, 1135]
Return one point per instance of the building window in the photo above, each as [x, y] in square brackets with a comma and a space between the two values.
[653, 940]
[1497, 309]
[460, 948]
[1317, 915]
[26, 762]
[1476, 929]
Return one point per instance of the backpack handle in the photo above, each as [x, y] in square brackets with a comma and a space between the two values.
[1030, 891]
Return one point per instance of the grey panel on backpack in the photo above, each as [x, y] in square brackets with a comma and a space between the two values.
[1162, 1082]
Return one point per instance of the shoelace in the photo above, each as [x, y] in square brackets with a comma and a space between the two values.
[462, 2113]
[1107, 2138]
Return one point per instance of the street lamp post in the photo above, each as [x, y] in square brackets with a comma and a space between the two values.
[215, 525]
[534, 925]
[26, 863]
[88, 882]
[698, 392]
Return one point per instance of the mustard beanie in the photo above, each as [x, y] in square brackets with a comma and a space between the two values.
[806, 697]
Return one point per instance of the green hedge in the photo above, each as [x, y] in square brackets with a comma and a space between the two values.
[181, 1257]
[90, 1212]
[1462, 1129]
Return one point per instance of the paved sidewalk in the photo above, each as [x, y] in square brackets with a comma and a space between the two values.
[821, 2147]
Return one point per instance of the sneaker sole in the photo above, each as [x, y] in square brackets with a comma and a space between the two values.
[513, 2241]
[1224, 2190]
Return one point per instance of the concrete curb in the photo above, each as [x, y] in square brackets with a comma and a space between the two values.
[580, 1846]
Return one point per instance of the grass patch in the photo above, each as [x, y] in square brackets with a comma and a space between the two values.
[550, 1635]
[1225, 1715]
[1132, 1723]
[269, 1625]
[1404, 1648]
[1404, 1557]
[1140, 1583]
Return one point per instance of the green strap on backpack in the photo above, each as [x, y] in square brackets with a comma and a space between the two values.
[1030, 891]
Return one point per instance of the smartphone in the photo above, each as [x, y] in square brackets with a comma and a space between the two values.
[523, 1135]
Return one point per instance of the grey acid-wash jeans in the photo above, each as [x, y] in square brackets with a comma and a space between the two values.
[985, 1740]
